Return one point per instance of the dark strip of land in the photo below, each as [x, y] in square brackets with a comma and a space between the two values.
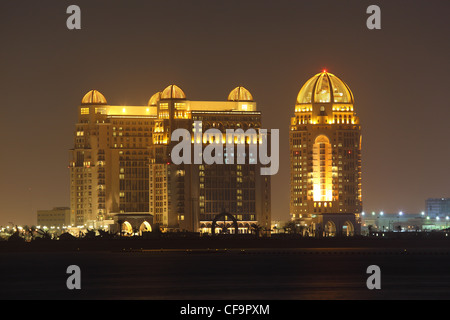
[394, 242]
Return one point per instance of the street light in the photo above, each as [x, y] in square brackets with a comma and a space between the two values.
[398, 220]
[381, 214]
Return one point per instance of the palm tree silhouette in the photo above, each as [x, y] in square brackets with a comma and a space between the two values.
[256, 228]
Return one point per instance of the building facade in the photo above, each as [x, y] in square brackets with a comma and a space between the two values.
[325, 158]
[438, 207]
[121, 163]
[56, 217]
[109, 161]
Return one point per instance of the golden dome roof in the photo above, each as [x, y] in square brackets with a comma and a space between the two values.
[172, 92]
[154, 99]
[93, 97]
[240, 94]
[325, 88]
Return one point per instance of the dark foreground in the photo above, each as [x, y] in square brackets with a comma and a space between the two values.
[254, 270]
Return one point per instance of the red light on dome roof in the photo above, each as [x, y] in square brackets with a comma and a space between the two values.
[324, 70]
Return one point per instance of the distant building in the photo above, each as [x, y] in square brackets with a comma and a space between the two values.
[325, 154]
[438, 207]
[58, 217]
[392, 222]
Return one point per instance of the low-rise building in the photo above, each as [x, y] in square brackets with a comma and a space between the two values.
[57, 217]
[438, 207]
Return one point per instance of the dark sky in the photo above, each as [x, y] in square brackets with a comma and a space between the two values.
[131, 49]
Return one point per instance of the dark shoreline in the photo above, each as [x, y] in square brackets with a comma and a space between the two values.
[221, 243]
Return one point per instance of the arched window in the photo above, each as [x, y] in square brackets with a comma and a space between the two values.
[322, 169]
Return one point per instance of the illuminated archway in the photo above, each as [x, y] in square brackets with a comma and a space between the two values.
[225, 223]
[348, 229]
[322, 170]
[127, 229]
[330, 229]
[145, 227]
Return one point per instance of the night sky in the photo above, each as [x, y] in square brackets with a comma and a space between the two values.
[129, 50]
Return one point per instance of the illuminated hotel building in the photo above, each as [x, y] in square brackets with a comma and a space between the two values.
[325, 158]
[109, 161]
[121, 163]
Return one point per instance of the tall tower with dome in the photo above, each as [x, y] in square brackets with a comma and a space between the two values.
[325, 158]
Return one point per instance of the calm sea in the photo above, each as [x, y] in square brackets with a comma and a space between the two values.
[269, 274]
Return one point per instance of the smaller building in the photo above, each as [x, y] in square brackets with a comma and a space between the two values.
[56, 217]
[438, 207]
[405, 222]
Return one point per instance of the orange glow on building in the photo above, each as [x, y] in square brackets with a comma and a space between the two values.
[325, 137]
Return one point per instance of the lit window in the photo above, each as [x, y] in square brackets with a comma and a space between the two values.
[100, 110]
[180, 106]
